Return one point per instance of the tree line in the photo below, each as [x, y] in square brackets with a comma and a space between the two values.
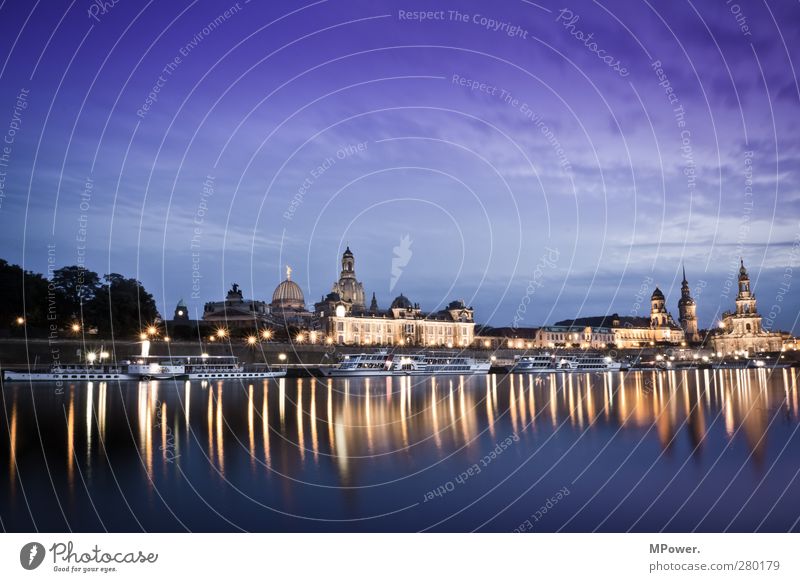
[74, 300]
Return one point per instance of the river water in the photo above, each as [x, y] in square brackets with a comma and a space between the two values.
[697, 450]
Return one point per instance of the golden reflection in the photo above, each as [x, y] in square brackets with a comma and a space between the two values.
[462, 408]
[489, 408]
[163, 422]
[531, 402]
[187, 394]
[367, 415]
[71, 439]
[265, 423]
[12, 443]
[313, 420]
[101, 412]
[512, 404]
[403, 421]
[89, 413]
[331, 439]
[210, 418]
[435, 415]
[251, 433]
[668, 407]
[300, 439]
[452, 402]
[282, 402]
[220, 449]
[148, 430]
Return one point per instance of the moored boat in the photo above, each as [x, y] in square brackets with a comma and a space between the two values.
[546, 362]
[384, 363]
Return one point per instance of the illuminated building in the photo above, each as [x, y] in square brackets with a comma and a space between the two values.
[741, 330]
[235, 311]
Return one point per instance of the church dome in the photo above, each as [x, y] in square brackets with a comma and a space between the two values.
[401, 302]
[288, 291]
[657, 294]
[347, 252]
[288, 294]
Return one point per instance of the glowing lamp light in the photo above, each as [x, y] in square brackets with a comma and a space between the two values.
[166, 338]
[299, 338]
[91, 357]
[222, 332]
[266, 334]
[204, 355]
[142, 336]
[152, 330]
[20, 320]
[75, 327]
[103, 355]
[313, 337]
[251, 340]
[329, 340]
[282, 357]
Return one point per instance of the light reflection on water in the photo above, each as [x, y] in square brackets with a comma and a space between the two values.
[350, 449]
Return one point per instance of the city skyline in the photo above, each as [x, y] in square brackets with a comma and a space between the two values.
[484, 143]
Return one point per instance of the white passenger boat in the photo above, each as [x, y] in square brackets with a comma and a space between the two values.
[545, 363]
[202, 367]
[383, 363]
[59, 373]
[149, 368]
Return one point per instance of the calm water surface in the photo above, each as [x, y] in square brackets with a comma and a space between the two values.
[646, 451]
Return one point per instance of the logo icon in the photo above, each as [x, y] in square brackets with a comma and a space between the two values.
[31, 555]
[402, 255]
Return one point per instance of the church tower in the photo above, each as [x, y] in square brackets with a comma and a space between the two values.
[658, 310]
[349, 289]
[687, 310]
[746, 320]
[745, 300]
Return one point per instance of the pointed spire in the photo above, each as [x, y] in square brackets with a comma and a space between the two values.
[684, 273]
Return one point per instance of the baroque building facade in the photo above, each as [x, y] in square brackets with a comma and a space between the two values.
[741, 330]
[661, 330]
[344, 319]
[234, 312]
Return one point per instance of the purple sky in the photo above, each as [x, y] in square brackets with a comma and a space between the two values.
[552, 148]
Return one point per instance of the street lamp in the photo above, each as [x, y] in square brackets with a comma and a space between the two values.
[91, 357]
[251, 340]
[152, 330]
[282, 357]
[221, 332]
[20, 320]
[142, 336]
[75, 327]
[266, 334]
